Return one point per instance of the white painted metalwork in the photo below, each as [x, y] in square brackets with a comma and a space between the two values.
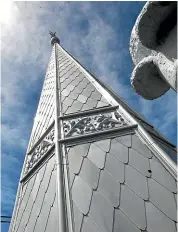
[93, 123]
[59, 159]
[160, 154]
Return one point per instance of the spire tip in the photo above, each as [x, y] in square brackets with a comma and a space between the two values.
[54, 38]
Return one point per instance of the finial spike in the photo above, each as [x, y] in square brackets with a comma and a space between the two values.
[54, 38]
[53, 34]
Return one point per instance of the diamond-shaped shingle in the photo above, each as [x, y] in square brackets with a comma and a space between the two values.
[77, 218]
[109, 188]
[81, 98]
[119, 151]
[136, 181]
[104, 144]
[139, 146]
[139, 162]
[122, 223]
[81, 194]
[125, 140]
[163, 199]
[75, 160]
[162, 176]
[101, 212]
[97, 156]
[88, 225]
[90, 173]
[133, 206]
[115, 168]
[158, 221]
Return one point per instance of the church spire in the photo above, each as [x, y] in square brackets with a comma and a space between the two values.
[54, 38]
[88, 154]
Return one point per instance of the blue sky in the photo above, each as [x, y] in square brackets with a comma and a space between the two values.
[97, 34]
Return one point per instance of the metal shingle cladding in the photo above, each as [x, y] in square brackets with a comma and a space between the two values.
[116, 184]
[45, 111]
[76, 93]
[37, 207]
[113, 193]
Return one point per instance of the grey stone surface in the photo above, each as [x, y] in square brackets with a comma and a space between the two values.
[147, 87]
[137, 182]
[122, 223]
[81, 195]
[133, 206]
[154, 52]
[109, 188]
[157, 221]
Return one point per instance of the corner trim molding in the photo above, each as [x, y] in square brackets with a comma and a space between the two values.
[158, 151]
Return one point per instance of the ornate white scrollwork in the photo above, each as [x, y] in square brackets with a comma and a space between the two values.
[93, 123]
[34, 156]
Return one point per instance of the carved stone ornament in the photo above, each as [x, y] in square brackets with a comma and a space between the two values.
[93, 123]
[34, 156]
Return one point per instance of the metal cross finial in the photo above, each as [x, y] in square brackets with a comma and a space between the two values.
[52, 33]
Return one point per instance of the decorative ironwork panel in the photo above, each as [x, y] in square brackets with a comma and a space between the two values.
[40, 150]
[93, 123]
